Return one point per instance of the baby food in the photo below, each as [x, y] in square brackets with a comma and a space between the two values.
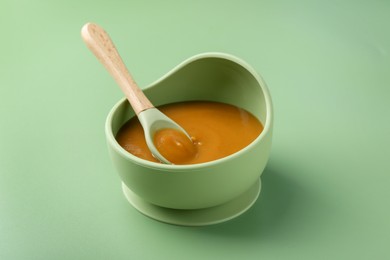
[216, 129]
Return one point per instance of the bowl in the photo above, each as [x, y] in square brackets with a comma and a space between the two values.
[212, 77]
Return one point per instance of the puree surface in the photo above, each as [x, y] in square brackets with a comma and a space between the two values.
[217, 130]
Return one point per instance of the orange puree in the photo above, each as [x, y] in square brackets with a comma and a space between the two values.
[217, 130]
[174, 145]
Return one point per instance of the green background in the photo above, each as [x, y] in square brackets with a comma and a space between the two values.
[326, 187]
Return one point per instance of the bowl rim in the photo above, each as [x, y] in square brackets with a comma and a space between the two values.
[172, 167]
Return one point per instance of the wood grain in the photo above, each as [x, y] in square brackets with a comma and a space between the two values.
[100, 43]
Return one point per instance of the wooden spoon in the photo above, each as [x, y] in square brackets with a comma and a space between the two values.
[151, 119]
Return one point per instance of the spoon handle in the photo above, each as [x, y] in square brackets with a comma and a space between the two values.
[100, 43]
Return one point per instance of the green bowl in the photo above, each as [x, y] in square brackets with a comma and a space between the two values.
[212, 77]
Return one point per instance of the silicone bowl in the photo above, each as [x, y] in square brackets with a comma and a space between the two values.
[209, 76]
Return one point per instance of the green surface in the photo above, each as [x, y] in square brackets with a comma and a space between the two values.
[325, 192]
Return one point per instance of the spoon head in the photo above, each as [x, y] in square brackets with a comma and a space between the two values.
[153, 120]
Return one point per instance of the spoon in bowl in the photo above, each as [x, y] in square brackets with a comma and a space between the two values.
[151, 119]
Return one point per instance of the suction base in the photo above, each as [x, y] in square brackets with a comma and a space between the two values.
[198, 217]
